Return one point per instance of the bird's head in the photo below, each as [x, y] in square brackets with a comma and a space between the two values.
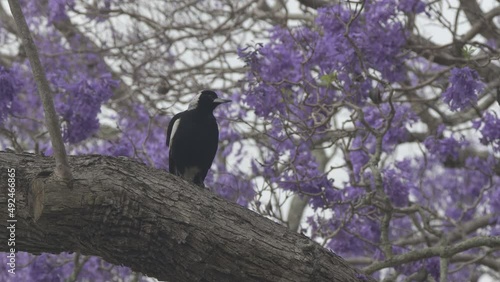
[206, 100]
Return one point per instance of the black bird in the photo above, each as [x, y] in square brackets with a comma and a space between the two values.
[193, 137]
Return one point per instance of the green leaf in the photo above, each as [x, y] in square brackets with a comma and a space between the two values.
[328, 79]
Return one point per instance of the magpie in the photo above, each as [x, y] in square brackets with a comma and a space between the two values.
[193, 137]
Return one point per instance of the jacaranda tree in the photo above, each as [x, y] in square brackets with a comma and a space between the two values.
[370, 126]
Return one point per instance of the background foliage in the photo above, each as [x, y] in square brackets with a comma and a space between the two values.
[381, 133]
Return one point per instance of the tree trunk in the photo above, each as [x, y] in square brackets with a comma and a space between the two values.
[134, 215]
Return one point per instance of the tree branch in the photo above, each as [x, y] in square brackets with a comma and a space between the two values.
[51, 120]
[316, 4]
[441, 251]
[444, 55]
[70, 31]
[157, 224]
[460, 233]
[7, 21]
[476, 16]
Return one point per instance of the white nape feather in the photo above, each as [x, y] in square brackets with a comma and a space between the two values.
[194, 103]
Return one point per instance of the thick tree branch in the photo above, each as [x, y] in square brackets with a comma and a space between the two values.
[157, 224]
[51, 120]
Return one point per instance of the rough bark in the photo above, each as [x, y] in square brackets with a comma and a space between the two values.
[155, 223]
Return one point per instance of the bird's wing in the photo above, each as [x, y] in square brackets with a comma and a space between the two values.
[172, 127]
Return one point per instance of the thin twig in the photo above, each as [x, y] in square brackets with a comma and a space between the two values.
[51, 120]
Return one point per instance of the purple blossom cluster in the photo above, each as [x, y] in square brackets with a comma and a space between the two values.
[47, 12]
[457, 191]
[285, 89]
[81, 84]
[304, 54]
[80, 105]
[295, 82]
[465, 86]
[232, 187]
[299, 171]
[139, 134]
[377, 118]
[397, 187]
[231, 182]
[411, 6]
[484, 179]
[444, 148]
[302, 175]
[10, 85]
[23, 114]
[348, 244]
[489, 126]
[50, 267]
[57, 9]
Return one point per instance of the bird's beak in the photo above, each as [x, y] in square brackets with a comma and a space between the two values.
[221, 101]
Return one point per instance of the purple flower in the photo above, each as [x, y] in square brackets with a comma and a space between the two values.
[50, 267]
[57, 9]
[9, 88]
[411, 6]
[465, 85]
[458, 213]
[489, 126]
[396, 188]
[444, 148]
[22, 273]
[122, 149]
[134, 140]
[233, 188]
[377, 117]
[358, 159]
[345, 244]
[79, 108]
[484, 166]
[293, 55]
[250, 54]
